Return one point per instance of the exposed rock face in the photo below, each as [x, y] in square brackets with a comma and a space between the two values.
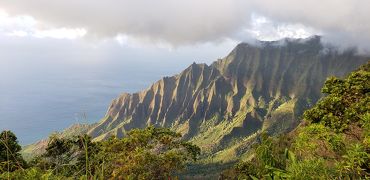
[255, 88]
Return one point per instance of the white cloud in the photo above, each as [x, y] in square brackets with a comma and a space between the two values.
[25, 25]
[137, 42]
[184, 22]
[264, 29]
[61, 33]
[342, 22]
[176, 22]
[8, 22]
[18, 33]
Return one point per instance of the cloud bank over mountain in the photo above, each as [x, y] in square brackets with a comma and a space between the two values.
[193, 21]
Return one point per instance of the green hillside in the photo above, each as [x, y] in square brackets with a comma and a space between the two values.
[333, 141]
[224, 106]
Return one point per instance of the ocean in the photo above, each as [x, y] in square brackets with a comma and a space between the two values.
[35, 107]
[46, 88]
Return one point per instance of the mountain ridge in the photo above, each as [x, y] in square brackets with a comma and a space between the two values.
[224, 106]
[255, 88]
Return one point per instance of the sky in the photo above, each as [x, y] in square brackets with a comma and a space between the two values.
[186, 22]
[90, 48]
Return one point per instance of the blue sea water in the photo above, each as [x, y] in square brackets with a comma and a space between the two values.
[34, 107]
[46, 85]
[37, 99]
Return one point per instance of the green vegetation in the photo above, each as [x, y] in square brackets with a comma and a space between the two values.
[150, 153]
[10, 158]
[331, 143]
[347, 102]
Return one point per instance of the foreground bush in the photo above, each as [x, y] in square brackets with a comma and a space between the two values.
[150, 153]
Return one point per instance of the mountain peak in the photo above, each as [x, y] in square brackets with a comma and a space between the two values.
[257, 87]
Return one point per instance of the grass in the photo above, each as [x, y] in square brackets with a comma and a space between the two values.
[213, 130]
[281, 113]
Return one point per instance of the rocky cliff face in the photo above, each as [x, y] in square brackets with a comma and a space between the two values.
[255, 88]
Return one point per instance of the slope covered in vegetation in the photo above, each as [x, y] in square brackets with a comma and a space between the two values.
[150, 153]
[222, 107]
[332, 142]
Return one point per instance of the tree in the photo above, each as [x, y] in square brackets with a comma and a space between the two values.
[86, 152]
[58, 153]
[10, 158]
[346, 102]
[150, 153]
